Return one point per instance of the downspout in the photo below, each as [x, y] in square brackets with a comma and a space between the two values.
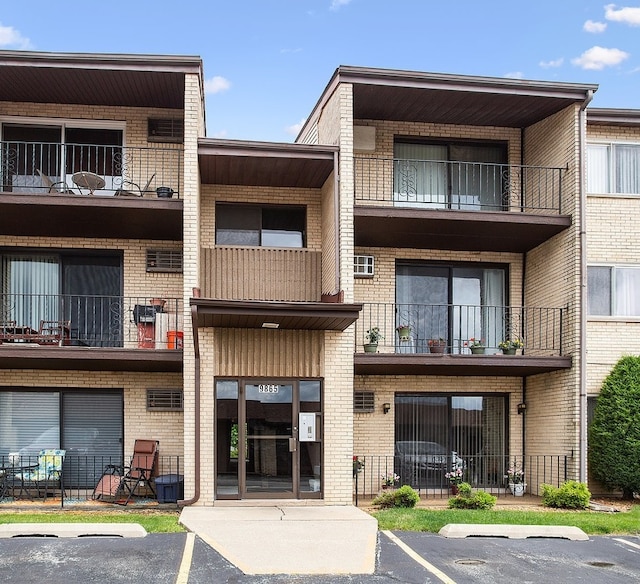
[582, 471]
[196, 408]
[523, 305]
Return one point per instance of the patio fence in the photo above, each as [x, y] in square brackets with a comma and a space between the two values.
[482, 472]
[80, 475]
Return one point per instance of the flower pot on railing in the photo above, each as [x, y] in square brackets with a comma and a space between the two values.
[370, 347]
[477, 350]
[164, 192]
[437, 345]
[403, 332]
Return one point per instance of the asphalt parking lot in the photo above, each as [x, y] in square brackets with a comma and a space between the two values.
[161, 558]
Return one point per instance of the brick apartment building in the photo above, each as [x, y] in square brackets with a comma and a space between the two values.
[216, 295]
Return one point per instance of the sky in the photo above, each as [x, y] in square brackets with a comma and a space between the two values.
[266, 62]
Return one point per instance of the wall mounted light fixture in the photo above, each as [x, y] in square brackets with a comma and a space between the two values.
[386, 407]
[522, 408]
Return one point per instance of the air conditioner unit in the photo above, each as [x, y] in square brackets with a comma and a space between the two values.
[363, 266]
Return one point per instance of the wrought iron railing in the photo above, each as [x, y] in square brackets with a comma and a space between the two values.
[450, 328]
[71, 320]
[81, 472]
[426, 474]
[475, 186]
[39, 167]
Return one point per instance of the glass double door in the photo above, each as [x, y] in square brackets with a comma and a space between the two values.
[258, 448]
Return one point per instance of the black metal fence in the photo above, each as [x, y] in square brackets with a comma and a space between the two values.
[28, 479]
[32, 167]
[438, 184]
[91, 321]
[449, 328]
[427, 474]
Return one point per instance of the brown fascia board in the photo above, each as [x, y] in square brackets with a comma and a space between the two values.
[424, 80]
[112, 61]
[613, 117]
[218, 147]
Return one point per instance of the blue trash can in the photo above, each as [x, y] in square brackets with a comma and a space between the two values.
[170, 488]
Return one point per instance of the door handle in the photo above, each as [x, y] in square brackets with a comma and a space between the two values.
[292, 445]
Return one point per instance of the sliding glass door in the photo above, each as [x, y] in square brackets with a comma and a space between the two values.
[454, 303]
[456, 176]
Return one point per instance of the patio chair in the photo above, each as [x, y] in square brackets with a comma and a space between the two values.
[119, 484]
[59, 187]
[139, 192]
[53, 332]
[44, 477]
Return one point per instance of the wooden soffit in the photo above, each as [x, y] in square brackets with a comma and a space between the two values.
[275, 315]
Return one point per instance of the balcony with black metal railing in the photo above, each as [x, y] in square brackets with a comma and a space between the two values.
[435, 204]
[439, 339]
[112, 333]
[90, 190]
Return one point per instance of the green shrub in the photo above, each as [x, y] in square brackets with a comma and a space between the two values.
[464, 489]
[405, 496]
[467, 499]
[570, 495]
[614, 433]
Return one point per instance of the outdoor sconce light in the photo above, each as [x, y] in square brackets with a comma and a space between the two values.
[522, 408]
[386, 407]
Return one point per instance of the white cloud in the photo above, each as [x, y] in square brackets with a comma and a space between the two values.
[597, 58]
[10, 37]
[627, 15]
[294, 130]
[594, 27]
[514, 75]
[216, 84]
[551, 64]
[336, 4]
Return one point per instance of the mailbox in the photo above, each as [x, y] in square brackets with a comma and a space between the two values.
[307, 427]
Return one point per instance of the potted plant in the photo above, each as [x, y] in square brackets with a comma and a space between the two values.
[389, 480]
[438, 345]
[455, 478]
[515, 477]
[403, 330]
[509, 347]
[476, 346]
[372, 337]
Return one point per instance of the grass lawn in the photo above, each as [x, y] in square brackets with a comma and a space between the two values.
[152, 521]
[591, 522]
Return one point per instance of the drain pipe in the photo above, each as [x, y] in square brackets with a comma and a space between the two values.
[582, 470]
[196, 407]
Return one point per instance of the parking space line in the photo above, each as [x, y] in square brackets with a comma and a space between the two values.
[629, 543]
[418, 558]
[187, 555]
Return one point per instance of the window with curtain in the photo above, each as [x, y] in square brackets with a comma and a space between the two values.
[457, 175]
[613, 168]
[613, 290]
[455, 303]
[454, 430]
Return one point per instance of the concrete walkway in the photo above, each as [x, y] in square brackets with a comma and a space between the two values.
[285, 538]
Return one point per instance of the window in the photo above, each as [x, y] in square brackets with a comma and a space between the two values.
[613, 168]
[436, 433]
[87, 424]
[454, 303]
[363, 401]
[164, 260]
[164, 400]
[457, 176]
[613, 290]
[363, 266]
[266, 226]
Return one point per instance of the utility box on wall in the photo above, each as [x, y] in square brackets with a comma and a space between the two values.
[307, 427]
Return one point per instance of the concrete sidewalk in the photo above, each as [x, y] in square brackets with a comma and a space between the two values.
[288, 539]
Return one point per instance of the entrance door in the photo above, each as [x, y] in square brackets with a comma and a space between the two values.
[271, 439]
[258, 451]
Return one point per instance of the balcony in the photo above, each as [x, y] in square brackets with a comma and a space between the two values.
[38, 195]
[433, 204]
[540, 330]
[112, 333]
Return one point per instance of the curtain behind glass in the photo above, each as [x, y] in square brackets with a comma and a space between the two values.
[477, 176]
[626, 293]
[418, 176]
[598, 168]
[32, 288]
[627, 165]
